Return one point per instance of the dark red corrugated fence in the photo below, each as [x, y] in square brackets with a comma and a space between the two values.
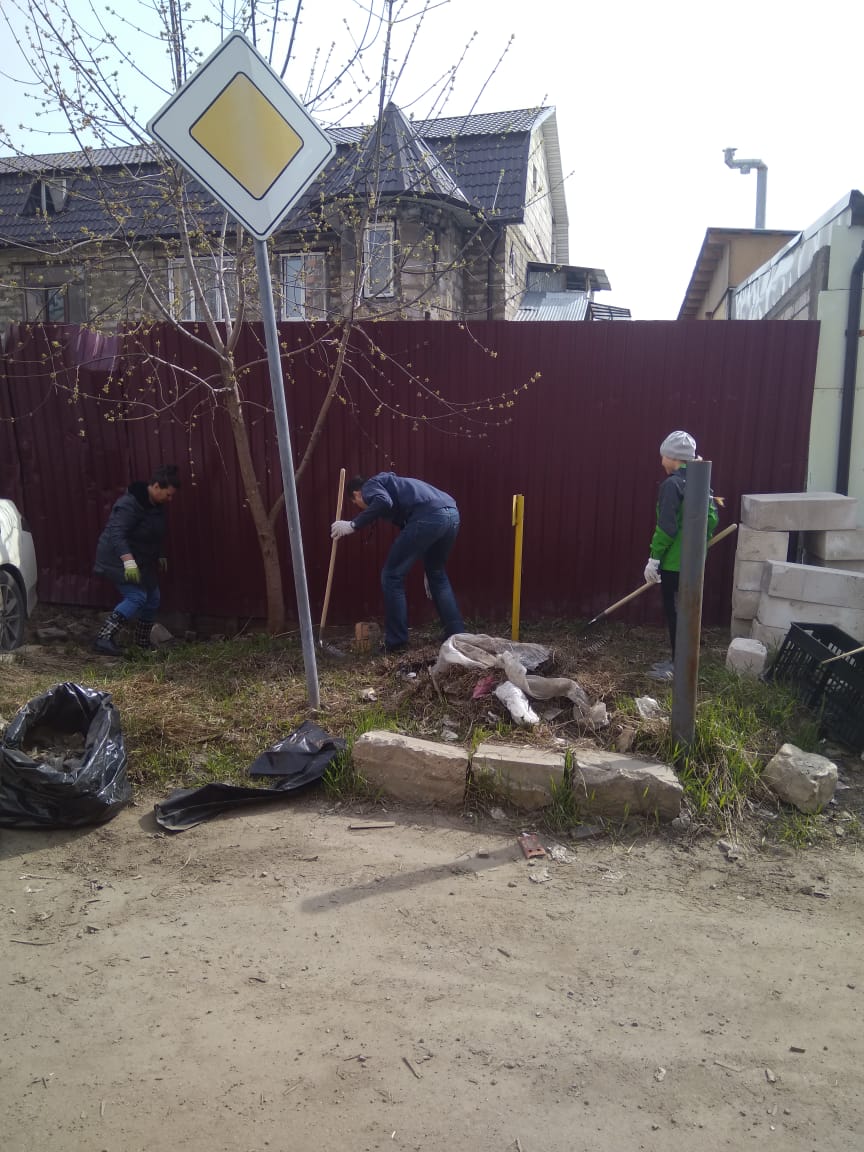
[571, 415]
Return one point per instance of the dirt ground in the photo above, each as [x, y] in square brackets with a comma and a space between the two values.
[273, 980]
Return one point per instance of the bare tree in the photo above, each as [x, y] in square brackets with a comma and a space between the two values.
[163, 251]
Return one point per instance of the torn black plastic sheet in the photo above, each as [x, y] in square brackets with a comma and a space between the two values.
[297, 761]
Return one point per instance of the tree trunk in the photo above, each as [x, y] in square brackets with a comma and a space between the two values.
[252, 491]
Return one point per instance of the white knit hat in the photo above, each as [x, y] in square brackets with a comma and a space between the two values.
[678, 446]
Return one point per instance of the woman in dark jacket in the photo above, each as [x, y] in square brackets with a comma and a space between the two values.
[129, 554]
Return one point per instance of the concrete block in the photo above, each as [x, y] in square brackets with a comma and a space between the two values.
[771, 637]
[848, 545]
[840, 565]
[799, 511]
[780, 612]
[748, 574]
[755, 544]
[617, 786]
[745, 604]
[746, 657]
[418, 771]
[814, 585]
[522, 774]
[740, 627]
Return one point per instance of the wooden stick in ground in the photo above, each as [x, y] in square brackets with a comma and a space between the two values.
[339, 500]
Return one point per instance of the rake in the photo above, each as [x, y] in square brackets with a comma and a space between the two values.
[330, 648]
[601, 641]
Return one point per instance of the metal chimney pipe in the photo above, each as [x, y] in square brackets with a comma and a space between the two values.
[744, 167]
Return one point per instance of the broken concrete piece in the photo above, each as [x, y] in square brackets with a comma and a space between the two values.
[521, 773]
[419, 771]
[803, 779]
[746, 657]
[615, 786]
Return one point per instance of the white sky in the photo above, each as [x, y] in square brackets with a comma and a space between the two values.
[648, 94]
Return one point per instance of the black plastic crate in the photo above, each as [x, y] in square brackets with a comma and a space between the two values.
[837, 688]
[843, 702]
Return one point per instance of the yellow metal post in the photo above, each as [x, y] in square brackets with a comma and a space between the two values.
[518, 521]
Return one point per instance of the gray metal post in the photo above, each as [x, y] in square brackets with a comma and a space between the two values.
[286, 458]
[694, 527]
[761, 195]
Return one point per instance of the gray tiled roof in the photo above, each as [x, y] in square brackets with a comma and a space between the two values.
[479, 161]
[553, 306]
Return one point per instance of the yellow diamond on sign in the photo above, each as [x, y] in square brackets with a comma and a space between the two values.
[250, 138]
[243, 136]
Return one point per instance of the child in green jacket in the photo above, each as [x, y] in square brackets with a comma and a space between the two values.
[664, 565]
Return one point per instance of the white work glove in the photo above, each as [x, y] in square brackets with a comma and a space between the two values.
[652, 572]
[426, 587]
[340, 528]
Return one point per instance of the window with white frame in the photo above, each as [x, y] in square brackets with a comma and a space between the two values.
[218, 280]
[378, 260]
[303, 278]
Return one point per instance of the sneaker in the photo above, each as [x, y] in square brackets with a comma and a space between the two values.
[665, 675]
[663, 666]
[105, 646]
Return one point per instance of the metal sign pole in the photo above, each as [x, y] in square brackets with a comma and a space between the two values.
[286, 458]
[694, 521]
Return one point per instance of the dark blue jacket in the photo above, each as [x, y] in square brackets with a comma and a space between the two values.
[136, 526]
[398, 498]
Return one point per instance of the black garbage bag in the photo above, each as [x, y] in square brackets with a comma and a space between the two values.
[298, 760]
[63, 761]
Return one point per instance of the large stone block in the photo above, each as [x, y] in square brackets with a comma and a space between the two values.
[740, 626]
[748, 574]
[840, 565]
[799, 511]
[524, 775]
[755, 544]
[848, 545]
[801, 778]
[615, 786]
[770, 636]
[419, 771]
[780, 612]
[814, 585]
[745, 604]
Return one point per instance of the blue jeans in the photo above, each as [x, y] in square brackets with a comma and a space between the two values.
[430, 534]
[137, 602]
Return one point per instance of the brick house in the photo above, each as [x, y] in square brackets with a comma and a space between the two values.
[453, 218]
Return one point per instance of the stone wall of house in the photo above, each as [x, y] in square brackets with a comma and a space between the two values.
[483, 275]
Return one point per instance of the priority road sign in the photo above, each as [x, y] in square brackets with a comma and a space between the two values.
[243, 135]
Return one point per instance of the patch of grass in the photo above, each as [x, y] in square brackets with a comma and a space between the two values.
[341, 779]
[800, 829]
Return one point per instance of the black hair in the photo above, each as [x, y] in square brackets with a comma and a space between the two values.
[355, 484]
[166, 476]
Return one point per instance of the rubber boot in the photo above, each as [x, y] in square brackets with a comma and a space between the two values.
[142, 633]
[104, 641]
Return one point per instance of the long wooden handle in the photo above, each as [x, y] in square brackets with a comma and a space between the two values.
[339, 500]
[843, 655]
[644, 587]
